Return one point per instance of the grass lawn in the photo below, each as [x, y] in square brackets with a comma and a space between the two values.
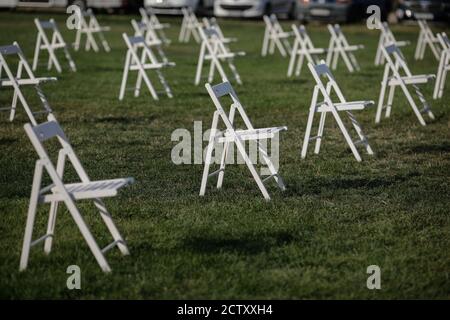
[315, 240]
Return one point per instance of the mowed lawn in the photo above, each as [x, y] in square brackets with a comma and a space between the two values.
[315, 240]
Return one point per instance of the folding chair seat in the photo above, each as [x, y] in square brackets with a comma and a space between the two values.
[230, 135]
[149, 18]
[328, 106]
[24, 77]
[140, 62]
[339, 47]
[303, 47]
[57, 42]
[58, 192]
[89, 26]
[426, 38]
[274, 36]
[444, 66]
[214, 50]
[392, 78]
[151, 38]
[189, 26]
[386, 38]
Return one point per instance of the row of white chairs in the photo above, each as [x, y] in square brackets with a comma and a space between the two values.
[214, 48]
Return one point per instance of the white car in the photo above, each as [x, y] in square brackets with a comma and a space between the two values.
[254, 8]
[174, 6]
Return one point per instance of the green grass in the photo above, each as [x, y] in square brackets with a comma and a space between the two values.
[314, 240]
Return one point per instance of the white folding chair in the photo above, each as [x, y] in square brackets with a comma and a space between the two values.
[151, 38]
[57, 42]
[444, 65]
[89, 26]
[24, 77]
[214, 50]
[149, 18]
[212, 23]
[146, 61]
[392, 78]
[339, 47]
[274, 36]
[189, 26]
[386, 38]
[303, 47]
[69, 193]
[231, 135]
[426, 38]
[327, 105]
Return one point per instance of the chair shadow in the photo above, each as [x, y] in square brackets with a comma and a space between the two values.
[317, 185]
[6, 141]
[245, 244]
[434, 148]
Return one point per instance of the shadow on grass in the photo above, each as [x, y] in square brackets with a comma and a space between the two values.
[320, 185]
[434, 148]
[245, 244]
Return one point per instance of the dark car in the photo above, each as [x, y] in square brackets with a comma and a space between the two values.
[338, 10]
[426, 10]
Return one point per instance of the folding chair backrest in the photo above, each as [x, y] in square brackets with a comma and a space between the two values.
[320, 71]
[391, 50]
[41, 133]
[225, 89]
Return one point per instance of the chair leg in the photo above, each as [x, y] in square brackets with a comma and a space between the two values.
[320, 132]
[391, 95]
[51, 227]
[107, 219]
[31, 215]
[209, 151]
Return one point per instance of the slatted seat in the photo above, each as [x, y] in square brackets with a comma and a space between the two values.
[59, 192]
[414, 79]
[89, 190]
[345, 106]
[252, 134]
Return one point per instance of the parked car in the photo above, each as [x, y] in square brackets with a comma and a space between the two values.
[95, 4]
[427, 10]
[338, 10]
[254, 8]
[174, 6]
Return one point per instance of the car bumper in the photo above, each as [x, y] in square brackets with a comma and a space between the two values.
[239, 10]
[326, 12]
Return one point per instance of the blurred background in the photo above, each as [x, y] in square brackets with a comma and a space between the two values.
[302, 10]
